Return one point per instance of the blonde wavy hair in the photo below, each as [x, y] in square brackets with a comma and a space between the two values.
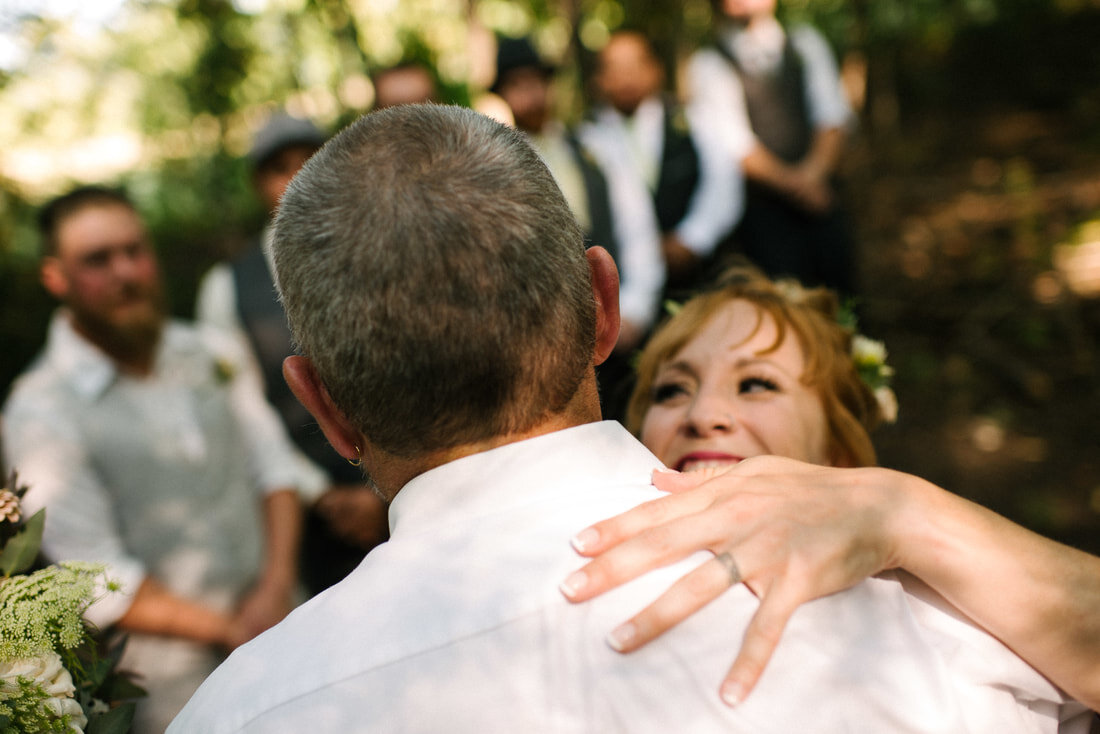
[851, 410]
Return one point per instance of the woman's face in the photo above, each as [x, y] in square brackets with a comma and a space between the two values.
[719, 400]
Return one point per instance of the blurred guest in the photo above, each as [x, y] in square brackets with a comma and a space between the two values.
[151, 445]
[697, 194]
[773, 95]
[406, 83]
[610, 203]
[348, 519]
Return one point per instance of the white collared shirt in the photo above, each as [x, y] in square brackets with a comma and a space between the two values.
[456, 625]
[718, 199]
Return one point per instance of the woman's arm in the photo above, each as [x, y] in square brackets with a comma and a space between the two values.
[798, 532]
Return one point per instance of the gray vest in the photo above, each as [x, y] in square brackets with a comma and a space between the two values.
[776, 104]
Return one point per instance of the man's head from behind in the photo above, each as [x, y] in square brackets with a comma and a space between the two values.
[434, 276]
[98, 261]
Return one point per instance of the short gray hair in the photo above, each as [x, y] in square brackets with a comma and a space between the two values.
[432, 270]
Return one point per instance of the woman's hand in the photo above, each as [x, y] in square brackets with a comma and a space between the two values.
[794, 531]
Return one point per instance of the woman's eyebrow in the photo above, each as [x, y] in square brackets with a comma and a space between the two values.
[677, 366]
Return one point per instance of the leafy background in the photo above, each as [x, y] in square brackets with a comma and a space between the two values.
[973, 182]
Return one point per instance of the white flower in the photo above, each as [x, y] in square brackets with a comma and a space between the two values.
[61, 706]
[868, 351]
[51, 676]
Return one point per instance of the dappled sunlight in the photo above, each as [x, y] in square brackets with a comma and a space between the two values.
[1079, 264]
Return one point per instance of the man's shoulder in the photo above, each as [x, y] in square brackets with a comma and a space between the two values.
[808, 41]
[42, 384]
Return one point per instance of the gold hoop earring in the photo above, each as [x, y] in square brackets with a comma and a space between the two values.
[359, 461]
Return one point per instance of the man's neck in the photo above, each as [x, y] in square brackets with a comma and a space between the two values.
[390, 473]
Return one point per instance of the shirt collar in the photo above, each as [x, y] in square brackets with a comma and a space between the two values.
[491, 481]
[84, 365]
[759, 48]
[650, 107]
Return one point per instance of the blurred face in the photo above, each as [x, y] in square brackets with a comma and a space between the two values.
[720, 400]
[105, 272]
[405, 85]
[527, 92]
[747, 9]
[276, 173]
[628, 72]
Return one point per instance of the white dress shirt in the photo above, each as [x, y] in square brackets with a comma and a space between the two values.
[717, 99]
[718, 199]
[457, 625]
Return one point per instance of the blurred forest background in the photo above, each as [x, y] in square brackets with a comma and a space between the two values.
[973, 181]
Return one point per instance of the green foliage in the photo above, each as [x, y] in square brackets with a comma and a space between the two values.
[116, 721]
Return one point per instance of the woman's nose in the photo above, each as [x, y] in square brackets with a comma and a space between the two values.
[710, 414]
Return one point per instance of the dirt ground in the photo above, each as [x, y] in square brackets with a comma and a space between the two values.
[958, 224]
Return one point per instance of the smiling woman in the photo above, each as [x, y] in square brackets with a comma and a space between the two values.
[754, 367]
[766, 402]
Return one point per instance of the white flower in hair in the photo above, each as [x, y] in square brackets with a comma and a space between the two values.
[868, 352]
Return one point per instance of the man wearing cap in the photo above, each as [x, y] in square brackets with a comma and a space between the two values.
[609, 202]
[240, 296]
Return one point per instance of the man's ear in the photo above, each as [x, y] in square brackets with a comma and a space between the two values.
[53, 277]
[305, 383]
[605, 289]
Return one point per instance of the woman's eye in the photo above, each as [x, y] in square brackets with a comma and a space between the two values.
[757, 385]
[667, 391]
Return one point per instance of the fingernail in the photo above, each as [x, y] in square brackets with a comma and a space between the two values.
[665, 470]
[585, 539]
[732, 693]
[622, 636]
[573, 583]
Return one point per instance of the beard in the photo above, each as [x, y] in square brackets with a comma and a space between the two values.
[129, 336]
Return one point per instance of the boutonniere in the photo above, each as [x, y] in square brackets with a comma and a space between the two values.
[679, 122]
[590, 159]
[224, 370]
